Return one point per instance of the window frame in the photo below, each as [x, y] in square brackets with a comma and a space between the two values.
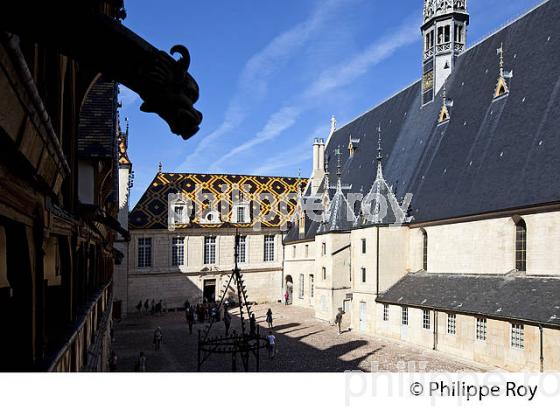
[209, 254]
[364, 246]
[385, 312]
[324, 273]
[144, 252]
[424, 250]
[451, 324]
[301, 286]
[426, 319]
[178, 251]
[404, 316]
[323, 248]
[521, 246]
[311, 286]
[269, 245]
[517, 336]
[481, 329]
[242, 249]
[364, 275]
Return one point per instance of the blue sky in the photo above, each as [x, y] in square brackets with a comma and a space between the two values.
[271, 74]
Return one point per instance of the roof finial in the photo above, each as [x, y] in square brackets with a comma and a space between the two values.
[500, 52]
[300, 185]
[379, 149]
[502, 86]
[160, 167]
[338, 164]
[126, 122]
[333, 124]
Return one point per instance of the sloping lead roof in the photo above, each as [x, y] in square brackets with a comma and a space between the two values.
[532, 299]
[493, 154]
[340, 216]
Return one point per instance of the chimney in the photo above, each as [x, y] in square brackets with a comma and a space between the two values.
[318, 164]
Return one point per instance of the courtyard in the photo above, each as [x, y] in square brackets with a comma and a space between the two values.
[304, 344]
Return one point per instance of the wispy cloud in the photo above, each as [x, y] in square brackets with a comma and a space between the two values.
[297, 155]
[254, 80]
[329, 80]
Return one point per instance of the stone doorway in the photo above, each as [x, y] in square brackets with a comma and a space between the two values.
[209, 291]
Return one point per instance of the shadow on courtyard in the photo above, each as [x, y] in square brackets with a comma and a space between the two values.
[303, 345]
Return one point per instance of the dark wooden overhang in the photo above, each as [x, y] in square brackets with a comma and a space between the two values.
[102, 44]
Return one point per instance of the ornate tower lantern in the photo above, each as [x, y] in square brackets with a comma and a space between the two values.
[445, 36]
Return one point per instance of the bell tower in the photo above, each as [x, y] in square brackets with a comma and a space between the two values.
[445, 36]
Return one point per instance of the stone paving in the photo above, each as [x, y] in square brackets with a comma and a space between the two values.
[304, 345]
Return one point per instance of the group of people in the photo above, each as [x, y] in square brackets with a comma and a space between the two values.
[151, 307]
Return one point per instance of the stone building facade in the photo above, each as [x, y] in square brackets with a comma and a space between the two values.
[452, 241]
[183, 237]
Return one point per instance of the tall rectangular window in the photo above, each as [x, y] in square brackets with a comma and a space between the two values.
[178, 252]
[451, 324]
[404, 316]
[424, 250]
[385, 313]
[269, 248]
[481, 328]
[323, 249]
[307, 251]
[301, 286]
[426, 319]
[364, 246]
[517, 336]
[144, 252]
[521, 246]
[242, 250]
[311, 286]
[364, 275]
[209, 250]
[324, 271]
[294, 252]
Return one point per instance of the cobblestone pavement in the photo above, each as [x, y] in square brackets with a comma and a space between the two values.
[304, 345]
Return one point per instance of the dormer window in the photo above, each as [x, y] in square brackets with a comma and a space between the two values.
[241, 214]
[179, 214]
[211, 218]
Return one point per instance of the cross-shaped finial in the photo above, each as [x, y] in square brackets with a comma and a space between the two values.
[338, 153]
[379, 150]
[500, 52]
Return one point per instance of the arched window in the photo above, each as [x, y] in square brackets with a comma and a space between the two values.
[424, 250]
[521, 246]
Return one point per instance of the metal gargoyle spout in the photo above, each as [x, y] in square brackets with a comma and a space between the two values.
[170, 91]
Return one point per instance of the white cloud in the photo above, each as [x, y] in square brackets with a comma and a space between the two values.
[327, 81]
[254, 80]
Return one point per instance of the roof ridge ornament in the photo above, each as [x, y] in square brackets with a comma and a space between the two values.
[447, 103]
[160, 167]
[502, 87]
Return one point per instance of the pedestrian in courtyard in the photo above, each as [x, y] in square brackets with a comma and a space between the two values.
[286, 297]
[139, 307]
[227, 321]
[252, 325]
[187, 304]
[190, 319]
[141, 363]
[269, 318]
[146, 305]
[338, 320]
[159, 307]
[113, 360]
[158, 338]
[271, 345]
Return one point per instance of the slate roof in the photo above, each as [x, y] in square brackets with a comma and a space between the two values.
[493, 154]
[206, 191]
[98, 122]
[523, 298]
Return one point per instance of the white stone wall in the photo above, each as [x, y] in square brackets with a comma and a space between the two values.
[298, 262]
[175, 284]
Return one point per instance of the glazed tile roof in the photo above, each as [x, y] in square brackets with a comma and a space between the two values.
[493, 154]
[265, 195]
